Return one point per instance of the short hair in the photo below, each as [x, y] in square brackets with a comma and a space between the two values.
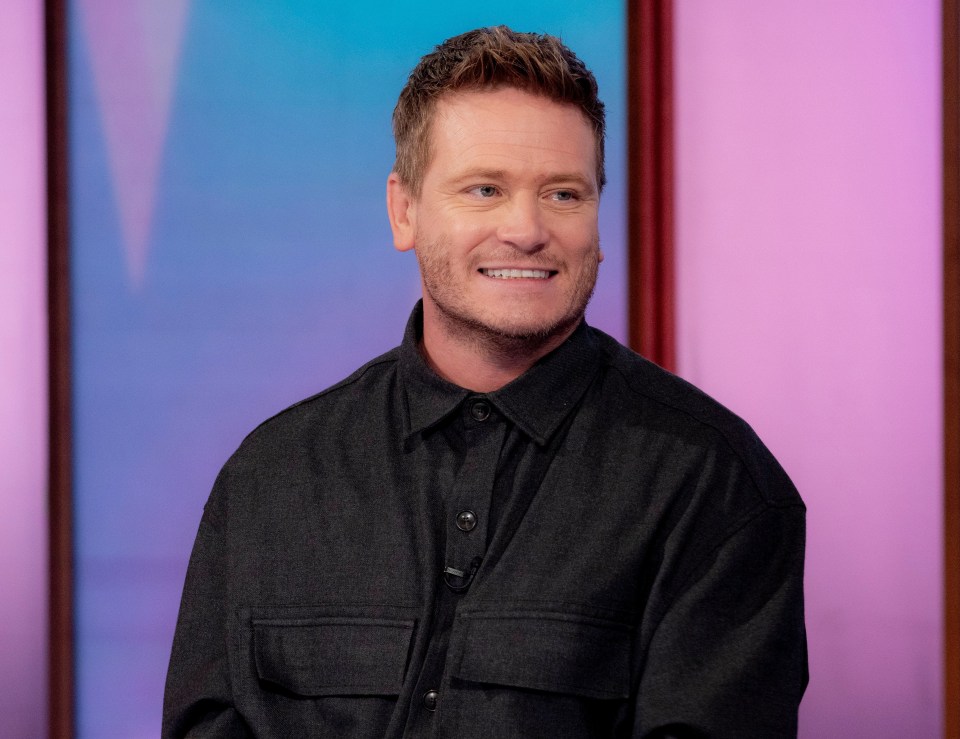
[484, 59]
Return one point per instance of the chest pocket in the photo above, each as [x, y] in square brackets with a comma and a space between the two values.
[329, 656]
[547, 651]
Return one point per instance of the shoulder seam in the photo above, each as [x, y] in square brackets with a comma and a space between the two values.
[387, 358]
[614, 365]
[746, 520]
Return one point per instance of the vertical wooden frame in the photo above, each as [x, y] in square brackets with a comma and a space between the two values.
[650, 189]
[951, 364]
[60, 663]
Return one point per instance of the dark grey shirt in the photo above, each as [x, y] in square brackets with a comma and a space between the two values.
[595, 550]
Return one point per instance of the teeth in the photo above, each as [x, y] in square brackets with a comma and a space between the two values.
[511, 274]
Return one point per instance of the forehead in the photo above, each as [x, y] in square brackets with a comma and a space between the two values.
[508, 126]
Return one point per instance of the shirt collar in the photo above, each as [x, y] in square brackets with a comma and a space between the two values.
[537, 401]
[428, 397]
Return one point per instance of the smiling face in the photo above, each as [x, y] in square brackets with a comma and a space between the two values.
[505, 225]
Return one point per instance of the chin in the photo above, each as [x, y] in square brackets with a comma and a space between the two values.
[523, 329]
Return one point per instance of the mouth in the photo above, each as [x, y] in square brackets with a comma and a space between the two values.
[518, 274]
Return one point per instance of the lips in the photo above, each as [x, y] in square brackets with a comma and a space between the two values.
[517, 274]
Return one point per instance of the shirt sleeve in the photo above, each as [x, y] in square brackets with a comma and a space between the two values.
[728, 656]
[198, 700]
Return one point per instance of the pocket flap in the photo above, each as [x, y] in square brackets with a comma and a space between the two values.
[555, 652]
[333, 655]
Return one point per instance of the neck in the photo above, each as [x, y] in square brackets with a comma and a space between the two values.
[481, 361]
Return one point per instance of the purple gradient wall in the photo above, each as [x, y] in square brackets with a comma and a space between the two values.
[23, 379]
[808, 243]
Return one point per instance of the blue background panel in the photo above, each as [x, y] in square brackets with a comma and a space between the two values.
[246, 264]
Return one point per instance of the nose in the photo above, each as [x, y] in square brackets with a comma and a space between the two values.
[522, 224]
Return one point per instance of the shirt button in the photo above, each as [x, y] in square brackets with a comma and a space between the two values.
[430, 699]
[466, 520]
[480, 410]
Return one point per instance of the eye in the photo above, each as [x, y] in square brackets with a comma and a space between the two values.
[564, 196]
[484, 191]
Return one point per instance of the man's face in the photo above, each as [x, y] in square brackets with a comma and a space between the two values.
[505, 227]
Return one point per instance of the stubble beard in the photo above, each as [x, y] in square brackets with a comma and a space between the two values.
[524, 336]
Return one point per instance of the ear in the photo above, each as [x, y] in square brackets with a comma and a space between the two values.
[402, 210]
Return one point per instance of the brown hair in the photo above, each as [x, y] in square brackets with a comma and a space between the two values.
[487, 58]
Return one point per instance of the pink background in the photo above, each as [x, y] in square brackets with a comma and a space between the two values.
[809, 301]
[808, 246]
[23, 379]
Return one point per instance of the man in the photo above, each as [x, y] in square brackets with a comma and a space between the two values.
[510, 525]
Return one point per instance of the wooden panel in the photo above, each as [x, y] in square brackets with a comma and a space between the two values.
[61, 539]
[951, 345]
[650, 165]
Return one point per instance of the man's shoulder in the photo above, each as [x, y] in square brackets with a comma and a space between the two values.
[366, 387]
[658, 400]
[642, 381]
[659, 390]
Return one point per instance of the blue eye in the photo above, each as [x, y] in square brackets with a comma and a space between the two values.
[486, 191]
[563, 195]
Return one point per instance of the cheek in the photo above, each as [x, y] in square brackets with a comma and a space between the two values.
[464, 235]
[578, 221]
[578, 239]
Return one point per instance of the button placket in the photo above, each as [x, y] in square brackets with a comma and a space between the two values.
[469, 503]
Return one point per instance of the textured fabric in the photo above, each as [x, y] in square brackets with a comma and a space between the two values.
[632, 563]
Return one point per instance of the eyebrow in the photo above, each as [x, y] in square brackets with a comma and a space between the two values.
[500, 174]
[573, 177]
[480, 174]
